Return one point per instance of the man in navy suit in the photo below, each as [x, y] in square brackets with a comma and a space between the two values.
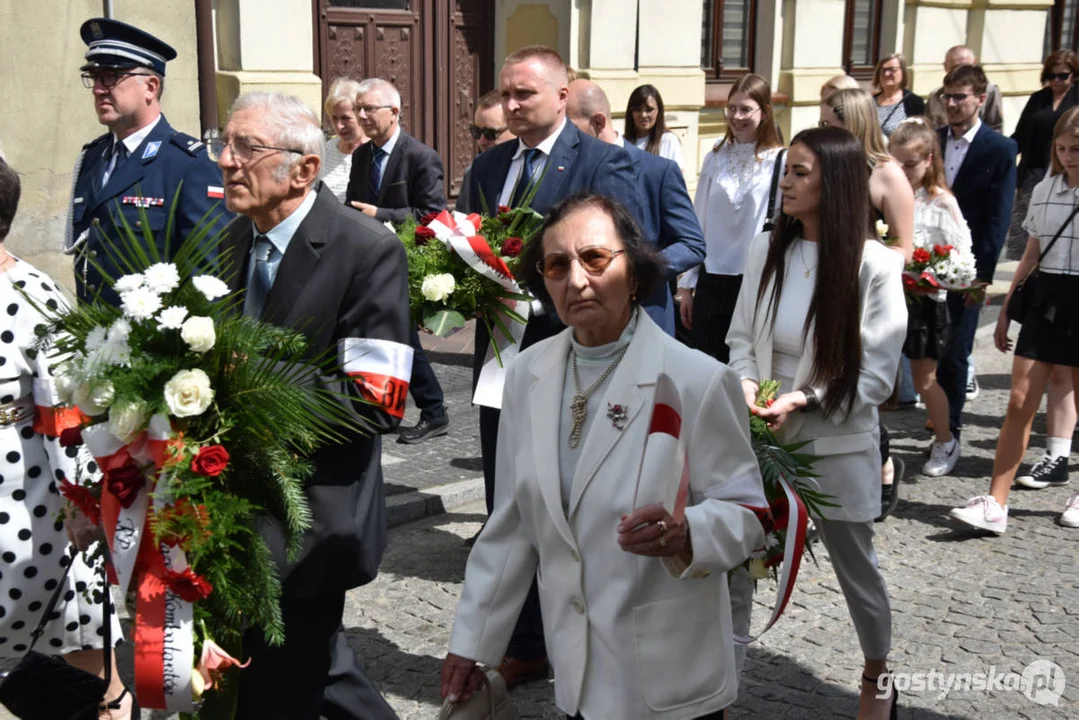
[670, 221]
[135, 170]
[979, 165]
[554, 158]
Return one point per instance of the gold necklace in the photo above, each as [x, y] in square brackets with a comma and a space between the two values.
[801, 254]
[578, 407]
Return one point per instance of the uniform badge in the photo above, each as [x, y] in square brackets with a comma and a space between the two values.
[142, 202]
[151, 149]
[561, 168]
[76, 201]
[95, 28]
[213, 191]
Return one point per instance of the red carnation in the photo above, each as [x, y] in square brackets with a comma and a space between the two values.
[188, 585]
[423, 234]
[921, 255]
[210, 460]
[83, 499]
[71, 437]
[512, 247]
[125, 482]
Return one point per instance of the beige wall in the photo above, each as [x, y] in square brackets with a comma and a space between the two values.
[47, 115]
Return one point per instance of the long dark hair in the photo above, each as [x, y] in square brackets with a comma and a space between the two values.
[835, 310]
[637, 99]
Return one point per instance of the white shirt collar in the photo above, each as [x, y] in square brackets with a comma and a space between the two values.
[1060, 185]
[281, 233]
[546, 145]
[619, 140]
[135, 139]
[388, 147]
[968, 136]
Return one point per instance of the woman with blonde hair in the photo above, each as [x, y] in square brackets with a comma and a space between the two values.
[937, 221]
[839, 82]
[895, 103]
[1049, 336]
[342, 110]
[739, 179]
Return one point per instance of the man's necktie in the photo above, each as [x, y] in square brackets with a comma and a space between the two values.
[524, 180]
[376, 172]
[116, 159]
[265, 256]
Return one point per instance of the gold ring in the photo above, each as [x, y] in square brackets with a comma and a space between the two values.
[662, 524]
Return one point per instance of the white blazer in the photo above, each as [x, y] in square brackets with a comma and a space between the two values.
[854, 478]
[630, 637]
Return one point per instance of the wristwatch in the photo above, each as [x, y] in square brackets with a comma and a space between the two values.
[812, 402]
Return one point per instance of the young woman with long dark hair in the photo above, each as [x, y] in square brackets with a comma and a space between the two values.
[822, 310]
[646, 125]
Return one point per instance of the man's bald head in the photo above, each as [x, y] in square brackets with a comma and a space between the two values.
[959, 55]
[588, 108]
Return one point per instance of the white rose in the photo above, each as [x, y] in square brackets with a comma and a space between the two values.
[95, 338]
[64, 382]
[127, 419]
[198, 333]
[171, 318]
[162, 277]
[127, 283]
[188, 393]
[210, 286]
[94, 397]
[882, 229]
[140, 303]
[437, 288]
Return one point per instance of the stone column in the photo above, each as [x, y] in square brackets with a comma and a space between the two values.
[812, 53]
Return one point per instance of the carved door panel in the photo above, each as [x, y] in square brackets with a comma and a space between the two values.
[471, 74]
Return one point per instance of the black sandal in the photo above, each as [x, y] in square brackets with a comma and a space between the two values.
[875, 682]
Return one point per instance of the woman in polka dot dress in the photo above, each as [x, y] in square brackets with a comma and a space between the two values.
[33, 542]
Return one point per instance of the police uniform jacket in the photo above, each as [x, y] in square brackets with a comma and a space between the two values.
[165, 162]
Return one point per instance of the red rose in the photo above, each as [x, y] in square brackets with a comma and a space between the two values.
[428, 218]
[780, 508]
[188, 585]
[503, 209]
[921, 255]
[83, 499]
[942, 250]
[512, 247]
[125, 482]
[71, 437]
[423, 234]
[210, 460]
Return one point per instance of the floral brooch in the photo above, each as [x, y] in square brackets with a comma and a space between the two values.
[617, 415]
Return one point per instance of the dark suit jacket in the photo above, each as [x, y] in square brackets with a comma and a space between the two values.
[165, 163]
[670, 223]
[343, 282]
[577, 162]
[411, 183]
[985, 188]
[1034, 131]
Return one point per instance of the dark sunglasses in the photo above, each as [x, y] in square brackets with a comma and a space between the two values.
[1057, 76]
[489, 133]
[955, 97]
[595, 259]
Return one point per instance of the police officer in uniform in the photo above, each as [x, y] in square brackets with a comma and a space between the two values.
[139, 165]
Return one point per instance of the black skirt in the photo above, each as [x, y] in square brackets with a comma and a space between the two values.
[1050, 331]
[713, 307]
[927, 328]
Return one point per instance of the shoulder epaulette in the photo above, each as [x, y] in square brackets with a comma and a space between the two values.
[188, 144]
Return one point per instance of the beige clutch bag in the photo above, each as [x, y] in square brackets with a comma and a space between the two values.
[490, 702]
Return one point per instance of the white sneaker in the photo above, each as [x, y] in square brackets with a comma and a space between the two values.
[983, 513]
[1070, 516]
[942, 458]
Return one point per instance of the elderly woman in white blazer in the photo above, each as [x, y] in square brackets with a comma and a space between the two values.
[635, 605]
[822, 310]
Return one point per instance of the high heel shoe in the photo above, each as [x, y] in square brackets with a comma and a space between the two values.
[875, 682]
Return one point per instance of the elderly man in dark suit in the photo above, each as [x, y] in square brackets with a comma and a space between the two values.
[311, 264]
[395, 176]
[670, 222]
[554, 158]
[979, 165]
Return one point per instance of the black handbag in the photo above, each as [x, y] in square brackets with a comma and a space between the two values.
[777, 175]
[46, 687]
[1030, 291]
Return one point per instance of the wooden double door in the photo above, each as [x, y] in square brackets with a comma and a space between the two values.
[438, 53]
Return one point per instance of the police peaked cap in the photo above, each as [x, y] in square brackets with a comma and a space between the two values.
[115, 44]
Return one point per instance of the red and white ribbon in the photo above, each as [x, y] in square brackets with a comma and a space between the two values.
[664, 449]
[458, 231]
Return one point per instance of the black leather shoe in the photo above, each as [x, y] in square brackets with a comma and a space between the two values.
[426, 428]
[889, 494]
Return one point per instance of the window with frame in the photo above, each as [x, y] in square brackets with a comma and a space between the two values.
[861, 37]
[729, 28]
[1062, 30]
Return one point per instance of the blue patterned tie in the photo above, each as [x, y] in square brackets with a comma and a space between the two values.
[376, 171]
[261, 281]
[524, 180]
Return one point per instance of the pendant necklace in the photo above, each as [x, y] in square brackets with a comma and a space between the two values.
[801, 254]
[578, 407]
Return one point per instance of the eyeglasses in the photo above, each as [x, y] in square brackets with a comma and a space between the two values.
[107, 78]
[737, 111]
[242, 149]
[485, 132]
[1057, 76]
[595, 259]
[644, 109]
[954, 97]
[889, 69]
[369, 110]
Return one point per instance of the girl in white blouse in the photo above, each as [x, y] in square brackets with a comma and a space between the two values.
[646, 127]
[1050, 325]
[342, 111]
[732, 206]
[937, 221]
